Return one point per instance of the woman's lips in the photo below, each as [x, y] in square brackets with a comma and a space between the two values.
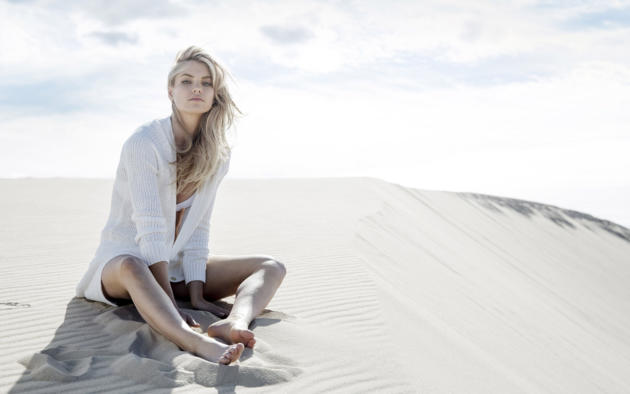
[196, 99]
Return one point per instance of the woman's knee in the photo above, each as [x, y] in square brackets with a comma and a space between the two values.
[114, 274]
[275, 266]
[131, 266]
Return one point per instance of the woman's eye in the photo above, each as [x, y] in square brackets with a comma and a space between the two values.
[207, 84]
[185, 81]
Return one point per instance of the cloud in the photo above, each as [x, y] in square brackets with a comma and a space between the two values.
[117, 12]
[20, 98]
[286, 35]
[114, 38]
[610, 18]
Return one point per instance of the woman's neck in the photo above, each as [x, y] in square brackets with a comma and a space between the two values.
[190, 122]
[186, 129]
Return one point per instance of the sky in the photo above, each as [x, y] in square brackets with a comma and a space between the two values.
[519, 99]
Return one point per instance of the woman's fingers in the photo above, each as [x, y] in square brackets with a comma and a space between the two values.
[215, 310]
[189, 319]
[219, 312]
[204, 305]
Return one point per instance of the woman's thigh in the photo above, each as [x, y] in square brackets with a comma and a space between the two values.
[224, 274]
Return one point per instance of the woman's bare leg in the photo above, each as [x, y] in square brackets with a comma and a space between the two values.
[253, 279]
[129, 278]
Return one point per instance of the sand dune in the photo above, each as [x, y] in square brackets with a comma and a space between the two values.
[389, 289]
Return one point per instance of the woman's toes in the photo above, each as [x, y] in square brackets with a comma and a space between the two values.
[247, 334]
[232, 353]
[238, 350]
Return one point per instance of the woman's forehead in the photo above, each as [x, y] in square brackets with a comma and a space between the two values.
[195, 68]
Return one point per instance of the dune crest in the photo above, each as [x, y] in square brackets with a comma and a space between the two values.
[389, 289]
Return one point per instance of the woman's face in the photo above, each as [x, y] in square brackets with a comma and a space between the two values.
[192, 91]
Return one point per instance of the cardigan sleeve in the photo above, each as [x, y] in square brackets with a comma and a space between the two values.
[196, 250]
[141, 165]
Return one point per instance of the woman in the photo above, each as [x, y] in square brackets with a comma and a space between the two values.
[154, 247]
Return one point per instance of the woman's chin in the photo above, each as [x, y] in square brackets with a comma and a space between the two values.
[193, 110]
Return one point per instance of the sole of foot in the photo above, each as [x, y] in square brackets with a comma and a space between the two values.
[232, 332]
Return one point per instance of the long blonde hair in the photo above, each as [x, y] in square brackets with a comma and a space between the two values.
[203, 154]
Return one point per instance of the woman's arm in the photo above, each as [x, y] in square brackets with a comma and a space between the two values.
[196, 251]
[195, 259]
[198, 302]
[160, 272]
[195, 289]
[141, 167]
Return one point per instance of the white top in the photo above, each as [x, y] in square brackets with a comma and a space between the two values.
[143, 209]
[185, 204]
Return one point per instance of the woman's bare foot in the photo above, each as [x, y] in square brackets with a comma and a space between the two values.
[212, 350]
[232, 331]
[232, 353]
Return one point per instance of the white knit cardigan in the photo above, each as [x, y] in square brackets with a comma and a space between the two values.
[142, 215]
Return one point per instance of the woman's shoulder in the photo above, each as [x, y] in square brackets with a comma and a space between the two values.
[224, 165]
[148, 144]
[151, 128]
[147, 136]
[155, 124]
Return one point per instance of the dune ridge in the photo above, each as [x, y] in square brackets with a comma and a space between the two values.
[389, 289]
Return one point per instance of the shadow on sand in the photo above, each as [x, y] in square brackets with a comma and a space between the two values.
[103, 348]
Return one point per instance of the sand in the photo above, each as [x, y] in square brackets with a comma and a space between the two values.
[389, 289]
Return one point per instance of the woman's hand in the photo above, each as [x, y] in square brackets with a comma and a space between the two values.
[195, 289]
[204, 305]
[188, 318]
